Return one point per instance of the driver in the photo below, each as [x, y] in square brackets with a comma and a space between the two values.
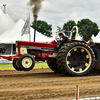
[63, 41]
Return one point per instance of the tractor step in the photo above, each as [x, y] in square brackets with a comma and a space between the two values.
[53, 56]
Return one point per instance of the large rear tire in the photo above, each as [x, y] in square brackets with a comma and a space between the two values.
[53, 66]
[15, 65]
[76, 59]
[26, 62]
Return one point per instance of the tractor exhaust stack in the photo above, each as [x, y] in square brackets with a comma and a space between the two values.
[35, 26]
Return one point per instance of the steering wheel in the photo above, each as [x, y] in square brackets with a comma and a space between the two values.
[57, 40]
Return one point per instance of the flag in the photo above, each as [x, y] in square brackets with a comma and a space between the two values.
[26, 27]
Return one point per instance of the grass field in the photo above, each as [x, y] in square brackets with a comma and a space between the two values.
[10, 66]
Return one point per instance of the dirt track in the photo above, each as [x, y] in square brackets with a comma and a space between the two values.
[44, 84]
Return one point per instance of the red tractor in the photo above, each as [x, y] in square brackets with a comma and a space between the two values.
[75, 58]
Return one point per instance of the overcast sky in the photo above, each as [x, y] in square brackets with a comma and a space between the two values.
[56, 12]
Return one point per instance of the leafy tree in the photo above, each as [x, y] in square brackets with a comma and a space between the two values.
[67, 27]
[87, 28]
[59, 29]
[43, 27]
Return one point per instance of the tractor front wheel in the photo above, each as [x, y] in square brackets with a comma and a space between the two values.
[15, 65]
[26, 62]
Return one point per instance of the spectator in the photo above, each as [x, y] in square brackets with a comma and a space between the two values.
[93, 46]
[2, 49]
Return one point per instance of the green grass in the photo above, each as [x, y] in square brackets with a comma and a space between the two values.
[10, 66]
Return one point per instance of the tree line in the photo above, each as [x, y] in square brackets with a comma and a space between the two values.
[86, 28]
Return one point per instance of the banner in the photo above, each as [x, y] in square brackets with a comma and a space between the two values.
[26, 27]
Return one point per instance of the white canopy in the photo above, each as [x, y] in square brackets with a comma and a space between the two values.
[5, 22]
[14, 33]
[40, 37]
[97, 38]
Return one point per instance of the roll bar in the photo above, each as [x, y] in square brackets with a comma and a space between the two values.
[72, 32]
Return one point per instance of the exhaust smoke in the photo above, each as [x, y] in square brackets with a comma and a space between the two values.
[36, 8]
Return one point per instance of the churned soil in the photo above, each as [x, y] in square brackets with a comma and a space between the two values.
[44, 84]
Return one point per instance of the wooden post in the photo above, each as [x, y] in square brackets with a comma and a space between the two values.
[77, 92]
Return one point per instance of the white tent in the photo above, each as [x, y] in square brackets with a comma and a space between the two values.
[5, 22]
[97, 38]
[40, 37]
[14, 33]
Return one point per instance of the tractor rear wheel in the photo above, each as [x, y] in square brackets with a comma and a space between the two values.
[26, 62]
[53, 66]
[76, 59]
[15, 65]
